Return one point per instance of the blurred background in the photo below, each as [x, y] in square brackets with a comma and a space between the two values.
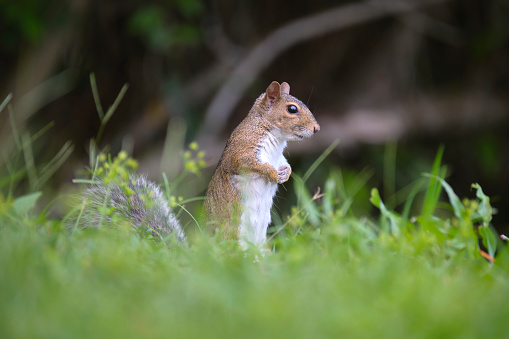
[392, 80]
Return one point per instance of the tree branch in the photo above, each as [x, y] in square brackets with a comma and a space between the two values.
[289, 35]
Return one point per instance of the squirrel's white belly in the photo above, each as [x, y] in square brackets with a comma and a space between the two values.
[257, 193]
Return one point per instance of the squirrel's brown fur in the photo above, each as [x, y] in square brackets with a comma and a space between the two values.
[270, 117]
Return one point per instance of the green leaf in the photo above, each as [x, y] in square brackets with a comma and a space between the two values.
[389, 173]
[489, 239]
[417, 186]
[24, 204]
[375, 198]
[329, 196]
[434, 188]
[485, 210]
[457, 205]
[305, 200]
[393, 217]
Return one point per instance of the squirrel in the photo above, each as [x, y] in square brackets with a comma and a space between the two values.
[240, 194]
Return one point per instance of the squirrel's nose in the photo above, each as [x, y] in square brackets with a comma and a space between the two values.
[316, 128]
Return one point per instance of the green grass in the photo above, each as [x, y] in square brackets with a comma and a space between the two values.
[341, 276]
[413, 269]
[107, 283]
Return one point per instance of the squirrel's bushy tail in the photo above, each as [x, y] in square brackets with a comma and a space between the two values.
[138, 200]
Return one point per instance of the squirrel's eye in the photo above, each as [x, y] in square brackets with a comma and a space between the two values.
[292, 109]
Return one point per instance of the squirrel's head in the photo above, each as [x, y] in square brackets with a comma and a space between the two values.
[290, 117]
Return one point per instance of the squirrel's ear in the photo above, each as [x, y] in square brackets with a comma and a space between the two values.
[285, 88]
[272, 91]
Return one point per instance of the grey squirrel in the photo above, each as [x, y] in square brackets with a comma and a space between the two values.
[240, 193]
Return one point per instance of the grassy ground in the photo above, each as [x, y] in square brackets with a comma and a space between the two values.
[98, 283]
[331, 274]
[425, 269]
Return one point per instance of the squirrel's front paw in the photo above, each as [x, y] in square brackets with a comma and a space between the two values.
[283, 174]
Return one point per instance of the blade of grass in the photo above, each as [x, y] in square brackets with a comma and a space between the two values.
[167, 189]
[97, 99]
[5, 102]
[13, 177]
[168, 192]
[485, 210]
[29, 160]
[84, 181]
[192, 217]
[283, 226]
[276, 219]
[45, 211]
[15, 132]
[106, 202]
[416, 188]
[360, 181]
[42, 131]
[69, 215]
[94, 157]
[55, 163]
[457, 205]
[117, 101]
[489, 239]
[305, 200]
[186, 201]
[401, 196]
[356, 185]
[171, 160]
[392, 217]
[14, 174]
[330, 195]
[434, 187]
[110, 112]
[319, 160]
[389, 173]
